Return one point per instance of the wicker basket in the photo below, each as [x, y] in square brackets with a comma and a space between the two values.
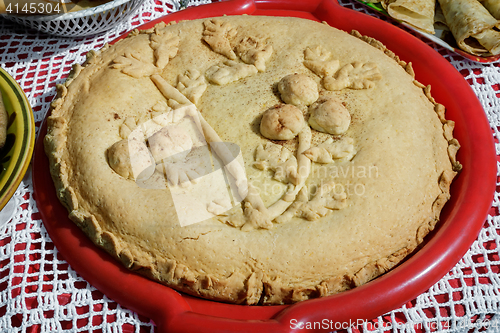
[85, 22]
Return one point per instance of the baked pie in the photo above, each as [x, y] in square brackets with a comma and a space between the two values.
[251, 160]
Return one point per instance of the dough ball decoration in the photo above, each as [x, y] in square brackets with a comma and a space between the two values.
[285, 122]
[131, 159]
[298, 89]
[328, 115]
[282, 122]
[160, 143]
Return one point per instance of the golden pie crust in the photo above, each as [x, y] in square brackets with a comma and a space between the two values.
[378, 136]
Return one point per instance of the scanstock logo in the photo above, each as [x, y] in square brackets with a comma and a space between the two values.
[180, 151]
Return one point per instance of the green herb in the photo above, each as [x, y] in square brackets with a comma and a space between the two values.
[184, 4]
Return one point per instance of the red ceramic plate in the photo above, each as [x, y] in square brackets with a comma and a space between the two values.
[462, 218]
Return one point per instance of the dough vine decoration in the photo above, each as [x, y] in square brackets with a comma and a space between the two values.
[162, 142]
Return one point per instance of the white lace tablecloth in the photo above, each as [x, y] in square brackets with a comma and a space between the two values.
[39, 292]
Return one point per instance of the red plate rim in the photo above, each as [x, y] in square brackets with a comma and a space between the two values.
[461, 220]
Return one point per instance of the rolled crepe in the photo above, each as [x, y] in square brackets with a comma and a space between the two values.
[473, 27]
[3, 122]
[439, 20]
[419, 14]
[493, 7]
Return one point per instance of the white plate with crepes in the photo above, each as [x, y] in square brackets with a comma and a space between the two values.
[442, 36]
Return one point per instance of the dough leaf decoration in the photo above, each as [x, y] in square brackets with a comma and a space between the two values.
[256, 214]
[319, 61]
[327, 198]
[233, 217]
[278, 159]
[229, 71]
[331, 150]
[355, 76]
[192, 85]
[165, 47]
[217, 34]
[174, 97]
[183, 171]
[160, 113]
[219, 206]
[254, 51]
[132, 65]
[129, 124]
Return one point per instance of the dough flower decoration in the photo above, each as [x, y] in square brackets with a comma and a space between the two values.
[256, 213]
[128, 125]
[165, 47]
[172, 142]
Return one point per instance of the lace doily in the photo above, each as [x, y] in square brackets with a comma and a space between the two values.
[39, 292]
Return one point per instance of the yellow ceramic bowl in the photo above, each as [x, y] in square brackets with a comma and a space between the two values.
[15, 156]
